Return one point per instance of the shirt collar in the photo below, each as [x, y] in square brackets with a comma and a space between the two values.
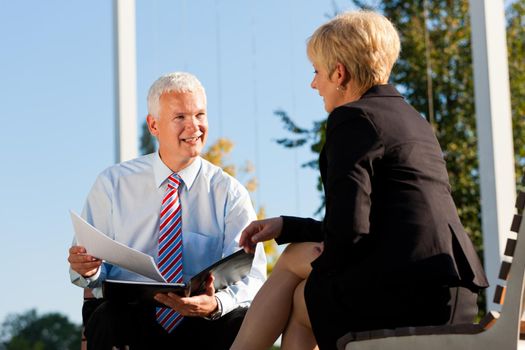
[188, 174]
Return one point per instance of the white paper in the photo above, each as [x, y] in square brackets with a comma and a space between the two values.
[102, 247]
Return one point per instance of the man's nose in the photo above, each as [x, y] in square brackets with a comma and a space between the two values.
[192, 124]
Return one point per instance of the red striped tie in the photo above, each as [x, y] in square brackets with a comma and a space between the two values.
[170, 248]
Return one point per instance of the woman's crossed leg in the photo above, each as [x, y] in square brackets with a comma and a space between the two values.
[279, 306]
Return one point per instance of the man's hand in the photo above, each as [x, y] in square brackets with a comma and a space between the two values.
[260, 231]
[201, 305]
[81, 262]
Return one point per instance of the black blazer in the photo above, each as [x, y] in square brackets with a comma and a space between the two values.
[390, 221]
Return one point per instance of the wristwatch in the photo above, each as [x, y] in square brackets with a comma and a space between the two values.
[215, 315]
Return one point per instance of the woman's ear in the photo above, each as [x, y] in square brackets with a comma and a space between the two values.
[342, 75]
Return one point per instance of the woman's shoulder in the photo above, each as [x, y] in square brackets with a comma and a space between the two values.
[348, 114]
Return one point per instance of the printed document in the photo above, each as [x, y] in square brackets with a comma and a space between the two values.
[102, 247]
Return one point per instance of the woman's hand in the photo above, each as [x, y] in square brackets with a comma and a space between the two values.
[260, 231]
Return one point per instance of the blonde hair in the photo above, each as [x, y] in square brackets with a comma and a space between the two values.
[364, 42]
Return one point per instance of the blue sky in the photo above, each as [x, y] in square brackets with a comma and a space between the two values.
[57, 111]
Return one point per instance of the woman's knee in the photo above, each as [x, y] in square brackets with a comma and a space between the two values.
[297, 258]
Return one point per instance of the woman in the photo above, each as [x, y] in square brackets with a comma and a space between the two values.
[393, 252]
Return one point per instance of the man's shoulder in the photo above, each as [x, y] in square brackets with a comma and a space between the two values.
[219, 179]
[215, 173]
[131, 167]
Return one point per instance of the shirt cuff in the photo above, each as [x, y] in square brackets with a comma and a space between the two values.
[84, 282]
[215, 315]
[226, 302]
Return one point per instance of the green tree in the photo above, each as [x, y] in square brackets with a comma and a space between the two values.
[29, 331]
[148, 143]
[516, 49]
[315, 136]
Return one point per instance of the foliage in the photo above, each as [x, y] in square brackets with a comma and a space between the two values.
[29, 331]
[148, 143]
[270, 247]
[217, 153]
[315, 135]
[516, 49]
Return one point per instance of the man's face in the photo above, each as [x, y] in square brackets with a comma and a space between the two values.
[181, 128]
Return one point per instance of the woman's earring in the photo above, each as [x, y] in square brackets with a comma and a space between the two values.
[341, 88]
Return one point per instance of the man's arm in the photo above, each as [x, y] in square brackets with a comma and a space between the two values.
[97, 212]
[239, 213]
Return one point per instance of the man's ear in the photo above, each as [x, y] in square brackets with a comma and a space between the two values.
[152, 125]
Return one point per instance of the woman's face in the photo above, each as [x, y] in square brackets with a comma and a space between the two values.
[327, 87]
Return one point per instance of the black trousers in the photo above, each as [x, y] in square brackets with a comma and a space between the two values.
[109, 324]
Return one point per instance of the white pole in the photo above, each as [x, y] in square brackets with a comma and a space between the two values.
[126, 81]
[494, 127]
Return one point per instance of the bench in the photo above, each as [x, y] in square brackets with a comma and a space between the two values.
[496, 331]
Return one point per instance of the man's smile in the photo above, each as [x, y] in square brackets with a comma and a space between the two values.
[192, 139]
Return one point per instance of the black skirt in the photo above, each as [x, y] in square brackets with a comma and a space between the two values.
[335, 307]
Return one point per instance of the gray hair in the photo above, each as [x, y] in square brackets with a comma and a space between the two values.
[171, 82]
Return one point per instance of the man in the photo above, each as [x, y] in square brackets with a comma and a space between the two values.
[140, 202]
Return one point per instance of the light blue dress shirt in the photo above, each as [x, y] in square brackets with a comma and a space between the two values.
[125, 201]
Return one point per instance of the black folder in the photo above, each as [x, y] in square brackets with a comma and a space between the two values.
[226, 271]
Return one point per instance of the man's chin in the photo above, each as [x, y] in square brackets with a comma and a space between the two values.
[194, 153]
